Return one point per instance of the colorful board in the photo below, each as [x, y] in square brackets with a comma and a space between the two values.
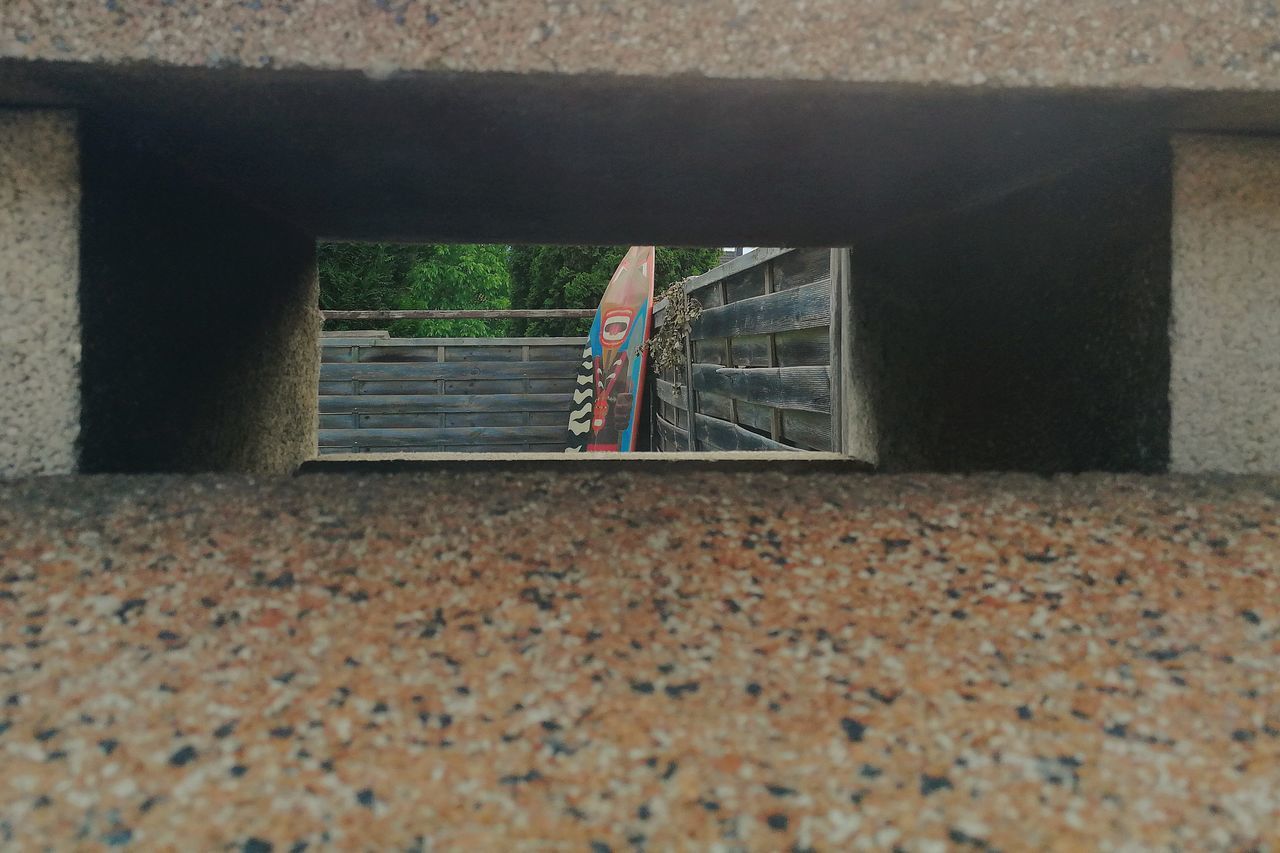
[607, 398]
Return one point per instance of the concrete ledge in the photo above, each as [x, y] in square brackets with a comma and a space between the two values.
[673, 464]
[1155, 43]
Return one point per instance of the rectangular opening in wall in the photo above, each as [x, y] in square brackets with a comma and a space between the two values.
[487, 349]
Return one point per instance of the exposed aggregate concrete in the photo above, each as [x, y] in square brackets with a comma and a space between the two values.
[1155, 43]
[641, 661]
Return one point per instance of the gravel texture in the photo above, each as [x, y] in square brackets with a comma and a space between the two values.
[1225, 332]
[640, 661]
[39, 277]
[1155, 43]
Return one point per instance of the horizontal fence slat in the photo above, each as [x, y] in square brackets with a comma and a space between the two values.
[532, 447]
[420, 420]
[667, 393]
[440, 436]
[809, 430]
[803, 346]
[803, 266]
[426, 403]
[745, 285]
[337, 387]
[716, 405]
[759, 418]
[805, 388]
[733, 267]
[673, 438]
[709, 351]
[407, 354]
[558, 353]
[475, 342]
[444, 370]
[799, 308]
[715, 434]
[330, 354]
[464, 314]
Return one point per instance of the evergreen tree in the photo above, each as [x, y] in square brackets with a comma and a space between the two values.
[576, 276]
[383, 276]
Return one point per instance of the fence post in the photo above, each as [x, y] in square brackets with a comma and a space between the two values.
[841, 340]
[688, 394]
[771, 340]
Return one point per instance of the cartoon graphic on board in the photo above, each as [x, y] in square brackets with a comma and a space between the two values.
[607, 398]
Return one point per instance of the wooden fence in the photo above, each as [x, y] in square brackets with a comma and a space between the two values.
[380, 394]
[758, 373]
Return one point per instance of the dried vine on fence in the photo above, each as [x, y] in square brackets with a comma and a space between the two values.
[666, 346]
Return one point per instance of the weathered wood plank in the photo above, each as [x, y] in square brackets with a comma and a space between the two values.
[803, 388]
[465, 314]
[667, 393]
[556, 353]
[424, 403]
[476, 342]
[759, 418]
[746, 284]
[430, 420]
[337, 387]
[709, 350]
[401, 420]
[439, 436]
[419, 354]
[560, 418]
[715, 434]
[733, 267]
[344, 420]
[461, 353]
[362, 334]
[801, 267]
[338, 355]
[799, 308]
[803, 346]
[532, 447]
[674, 439]
[809, 430]
[444, 370]
[716, 405]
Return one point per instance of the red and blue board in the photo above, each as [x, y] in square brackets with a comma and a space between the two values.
[607, 397]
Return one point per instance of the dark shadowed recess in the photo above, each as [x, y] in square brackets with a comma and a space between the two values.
[583, 159]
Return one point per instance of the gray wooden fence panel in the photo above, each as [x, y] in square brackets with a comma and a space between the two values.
[420, 371]
[445, 394]
[423, 403]
[760, 374]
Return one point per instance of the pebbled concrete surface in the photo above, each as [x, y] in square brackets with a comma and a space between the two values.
[1157, 43]
[1225, 328]
[39, 309]
[640, 661]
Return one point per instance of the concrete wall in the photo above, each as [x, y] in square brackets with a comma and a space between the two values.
[39, 271]
[1225, 385]
[1029, 333]
[200, 323]
[1153, 43]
